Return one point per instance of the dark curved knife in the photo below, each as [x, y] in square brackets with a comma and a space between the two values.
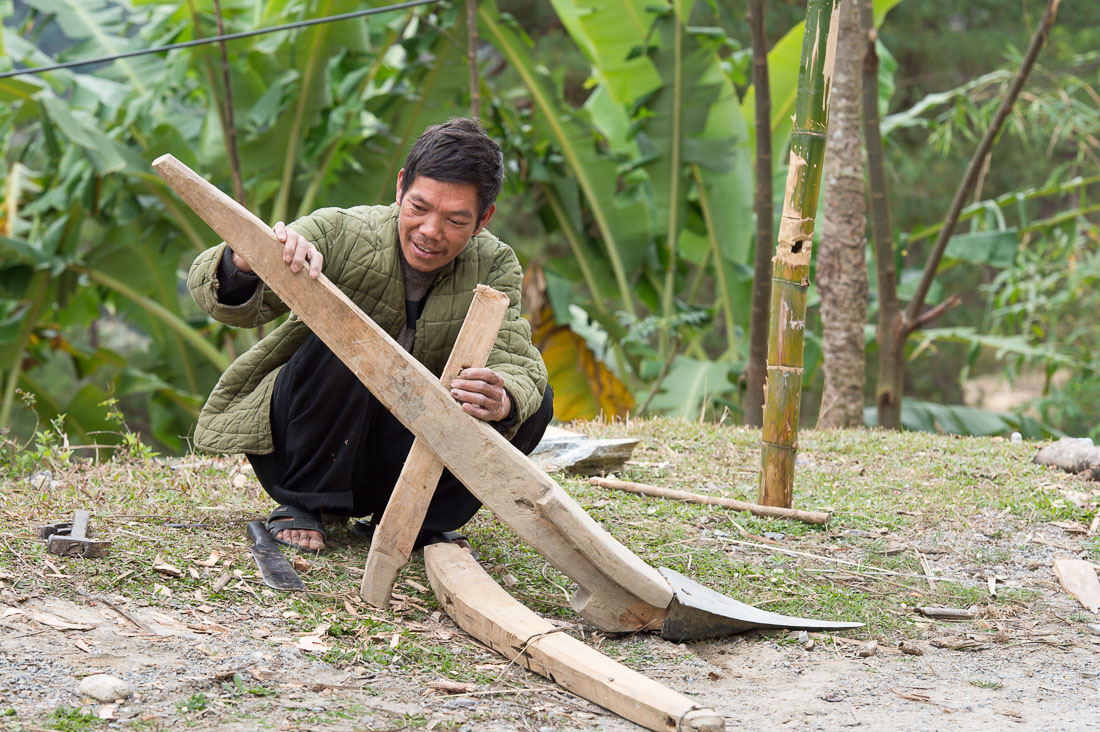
[274, 568]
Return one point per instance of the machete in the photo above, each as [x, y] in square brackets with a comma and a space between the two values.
[617, 591]
[274, 568]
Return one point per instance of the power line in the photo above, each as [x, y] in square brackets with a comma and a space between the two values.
[215, 39]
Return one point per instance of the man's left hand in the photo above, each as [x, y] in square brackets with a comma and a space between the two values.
[481, 394]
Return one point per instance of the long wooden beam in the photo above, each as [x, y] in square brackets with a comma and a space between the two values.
[618, 592]
[393, 540]
[480, 607]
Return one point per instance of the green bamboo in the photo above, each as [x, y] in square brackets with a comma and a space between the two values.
[791, 271]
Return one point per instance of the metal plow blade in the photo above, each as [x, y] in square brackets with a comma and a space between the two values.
[698, 612]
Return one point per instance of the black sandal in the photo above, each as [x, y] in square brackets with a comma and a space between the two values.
[299, 518]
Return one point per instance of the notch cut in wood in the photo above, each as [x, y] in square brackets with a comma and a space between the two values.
[396, 533]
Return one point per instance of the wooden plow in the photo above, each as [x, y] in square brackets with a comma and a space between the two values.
[617, 591]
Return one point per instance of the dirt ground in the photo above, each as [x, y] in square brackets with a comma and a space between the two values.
[241, 657]
[1035, 673]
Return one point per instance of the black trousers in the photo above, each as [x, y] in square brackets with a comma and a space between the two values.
[339, 451]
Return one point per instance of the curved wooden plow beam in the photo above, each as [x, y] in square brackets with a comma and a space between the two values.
[484, 610]
[618, 592]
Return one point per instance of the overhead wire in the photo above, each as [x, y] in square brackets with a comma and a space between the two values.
[216, 39]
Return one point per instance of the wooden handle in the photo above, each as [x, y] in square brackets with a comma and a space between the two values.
[810, 517]
[393, 540]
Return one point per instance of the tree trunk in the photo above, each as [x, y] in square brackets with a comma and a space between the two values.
[890, 341]
[841, 266]
[756, 374]
[791, 268]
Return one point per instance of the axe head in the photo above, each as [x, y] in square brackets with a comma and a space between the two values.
[70, 546]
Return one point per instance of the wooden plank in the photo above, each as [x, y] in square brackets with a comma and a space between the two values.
[810, 517]
[631, 594]
[393, 540]
[480, 607]
[1079, 579]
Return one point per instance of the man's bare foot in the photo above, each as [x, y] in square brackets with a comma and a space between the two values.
[311, 540]
[304, 528]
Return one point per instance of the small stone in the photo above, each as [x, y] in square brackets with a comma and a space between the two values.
[105, 688]
[910, 648]
[774, 535]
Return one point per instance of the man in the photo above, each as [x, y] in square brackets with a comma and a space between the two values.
[319, 441]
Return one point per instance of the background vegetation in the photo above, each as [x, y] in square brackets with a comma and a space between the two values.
[628, 196]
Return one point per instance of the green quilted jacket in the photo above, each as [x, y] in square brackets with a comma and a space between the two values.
[361, 257]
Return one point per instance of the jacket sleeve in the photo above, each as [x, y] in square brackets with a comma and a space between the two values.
[514, 356]
[264, 305]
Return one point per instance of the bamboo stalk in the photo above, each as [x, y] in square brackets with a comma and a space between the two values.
[791, 268]
[809, 517]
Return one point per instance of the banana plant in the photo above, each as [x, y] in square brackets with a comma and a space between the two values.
[93, 246]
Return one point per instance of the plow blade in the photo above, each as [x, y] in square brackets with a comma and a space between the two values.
[698, 612]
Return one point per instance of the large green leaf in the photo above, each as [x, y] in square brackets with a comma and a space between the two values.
[622, 228]
[103, 152]
[783, 62]
[103, 24]
[1002, 346]
[958, 419]
[690, 385]
[993, 248]
[612, 34]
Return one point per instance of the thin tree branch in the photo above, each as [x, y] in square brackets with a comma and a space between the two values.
[471, 54]
[756, 373]
[230, 123]
[934, 312]
[966, 185]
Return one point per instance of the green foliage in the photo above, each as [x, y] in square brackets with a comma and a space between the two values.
[73, 719]
[1049, 299]
[956, 419]
[94, 245]
[195, 703]
[648, 179]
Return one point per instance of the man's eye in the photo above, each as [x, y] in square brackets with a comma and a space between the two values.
[416, 207]
[456, 222]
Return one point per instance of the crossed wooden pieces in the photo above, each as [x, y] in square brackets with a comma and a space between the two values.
[617, 590]
[393, 540]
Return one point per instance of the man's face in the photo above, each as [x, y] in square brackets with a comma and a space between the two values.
[436, 221]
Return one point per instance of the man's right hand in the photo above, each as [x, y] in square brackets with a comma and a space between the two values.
[297, 250]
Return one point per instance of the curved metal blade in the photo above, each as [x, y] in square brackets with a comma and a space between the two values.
[274, 567]
[698, 612]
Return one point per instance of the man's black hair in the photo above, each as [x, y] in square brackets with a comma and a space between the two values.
[457, 151]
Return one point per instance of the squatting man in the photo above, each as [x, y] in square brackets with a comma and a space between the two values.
[321, 444]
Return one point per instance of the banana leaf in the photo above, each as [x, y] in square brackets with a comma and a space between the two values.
[957, 419]
[691, 385]
[622, 224]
